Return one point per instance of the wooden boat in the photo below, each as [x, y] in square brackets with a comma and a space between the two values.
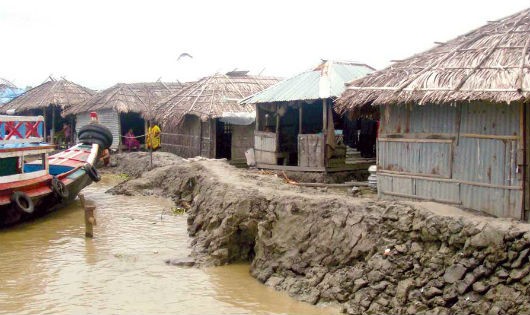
[33, 183]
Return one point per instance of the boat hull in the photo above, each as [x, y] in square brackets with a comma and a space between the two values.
[40, 190]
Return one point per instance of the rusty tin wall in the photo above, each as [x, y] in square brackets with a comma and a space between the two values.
[465, 155]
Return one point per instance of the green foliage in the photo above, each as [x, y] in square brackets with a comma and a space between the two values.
[178, 210]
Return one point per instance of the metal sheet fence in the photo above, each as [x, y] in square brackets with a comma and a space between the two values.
[466, 155]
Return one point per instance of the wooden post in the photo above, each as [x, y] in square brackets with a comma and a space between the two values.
[200, 138]
[213, 138]
[119, 132]
[90, 220]
[300, 115]
[300, 131]
[52, 131]
[324, 130]
[277, 131]
[150, 147]
[146, 128]
[522, 153]
[44, 132]
[257, 117]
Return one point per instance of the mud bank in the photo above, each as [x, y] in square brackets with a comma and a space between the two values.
[372, 257]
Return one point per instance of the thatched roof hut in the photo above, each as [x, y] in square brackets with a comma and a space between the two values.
[206, 118]
[490, 63]
[212, 96]
[128, 97]
[455, 121]
[124, 106]
[61, 93]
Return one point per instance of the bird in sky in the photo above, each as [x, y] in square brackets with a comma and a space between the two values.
[183, 55]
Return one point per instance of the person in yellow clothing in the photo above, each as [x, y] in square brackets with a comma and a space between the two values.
[153, 137]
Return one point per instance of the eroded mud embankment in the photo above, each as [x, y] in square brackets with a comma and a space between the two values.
[377, 257]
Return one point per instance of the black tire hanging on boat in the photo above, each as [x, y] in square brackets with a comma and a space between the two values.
[22, 202]
[95, 133]
[60, 189]
[92, 173]
[97, 128]
[90, 137]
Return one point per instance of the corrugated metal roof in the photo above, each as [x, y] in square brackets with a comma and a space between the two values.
[326, 80]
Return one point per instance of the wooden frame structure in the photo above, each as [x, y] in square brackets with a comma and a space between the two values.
[295, 121]
[314, 148]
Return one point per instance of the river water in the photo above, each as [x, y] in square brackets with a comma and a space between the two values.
[48, 267]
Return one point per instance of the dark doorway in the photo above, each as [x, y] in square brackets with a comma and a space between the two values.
[223, 140]
[289, 129]
[135, 122]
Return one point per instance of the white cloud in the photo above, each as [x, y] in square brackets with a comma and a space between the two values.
[99, 43]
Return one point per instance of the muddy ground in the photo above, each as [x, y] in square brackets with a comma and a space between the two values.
[371, 256]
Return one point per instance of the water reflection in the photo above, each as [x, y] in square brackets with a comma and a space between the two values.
[48, 267]
[234, 281]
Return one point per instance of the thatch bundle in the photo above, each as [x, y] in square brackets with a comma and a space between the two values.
[132, 97]
[212, 96]
[490, 63]
[62, 93]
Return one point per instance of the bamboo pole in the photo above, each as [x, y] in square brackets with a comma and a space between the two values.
[277, 130]
[45, 133]
[300, 115]
[52, 131]
[200, 138]
[150, 146]
[257, 117]
[119, 133]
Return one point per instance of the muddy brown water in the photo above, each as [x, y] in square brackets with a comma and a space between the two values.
[48, 267]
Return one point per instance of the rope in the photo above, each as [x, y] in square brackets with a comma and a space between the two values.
[134, 136]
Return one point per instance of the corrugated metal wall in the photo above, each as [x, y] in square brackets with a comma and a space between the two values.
[465, 155]
[107, 117]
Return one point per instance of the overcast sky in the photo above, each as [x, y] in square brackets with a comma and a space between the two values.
[100, 43]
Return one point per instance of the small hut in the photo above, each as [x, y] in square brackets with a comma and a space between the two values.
[50, 99]
[206, 119]
[455, 122]
[296, 124]
[123, 107]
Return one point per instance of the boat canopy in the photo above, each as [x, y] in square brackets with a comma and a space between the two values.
[22, 135]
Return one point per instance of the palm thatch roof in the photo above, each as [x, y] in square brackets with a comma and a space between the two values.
[491, 63]
[212, 96]
[128, 97]
[62, 93]
[324, 81]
